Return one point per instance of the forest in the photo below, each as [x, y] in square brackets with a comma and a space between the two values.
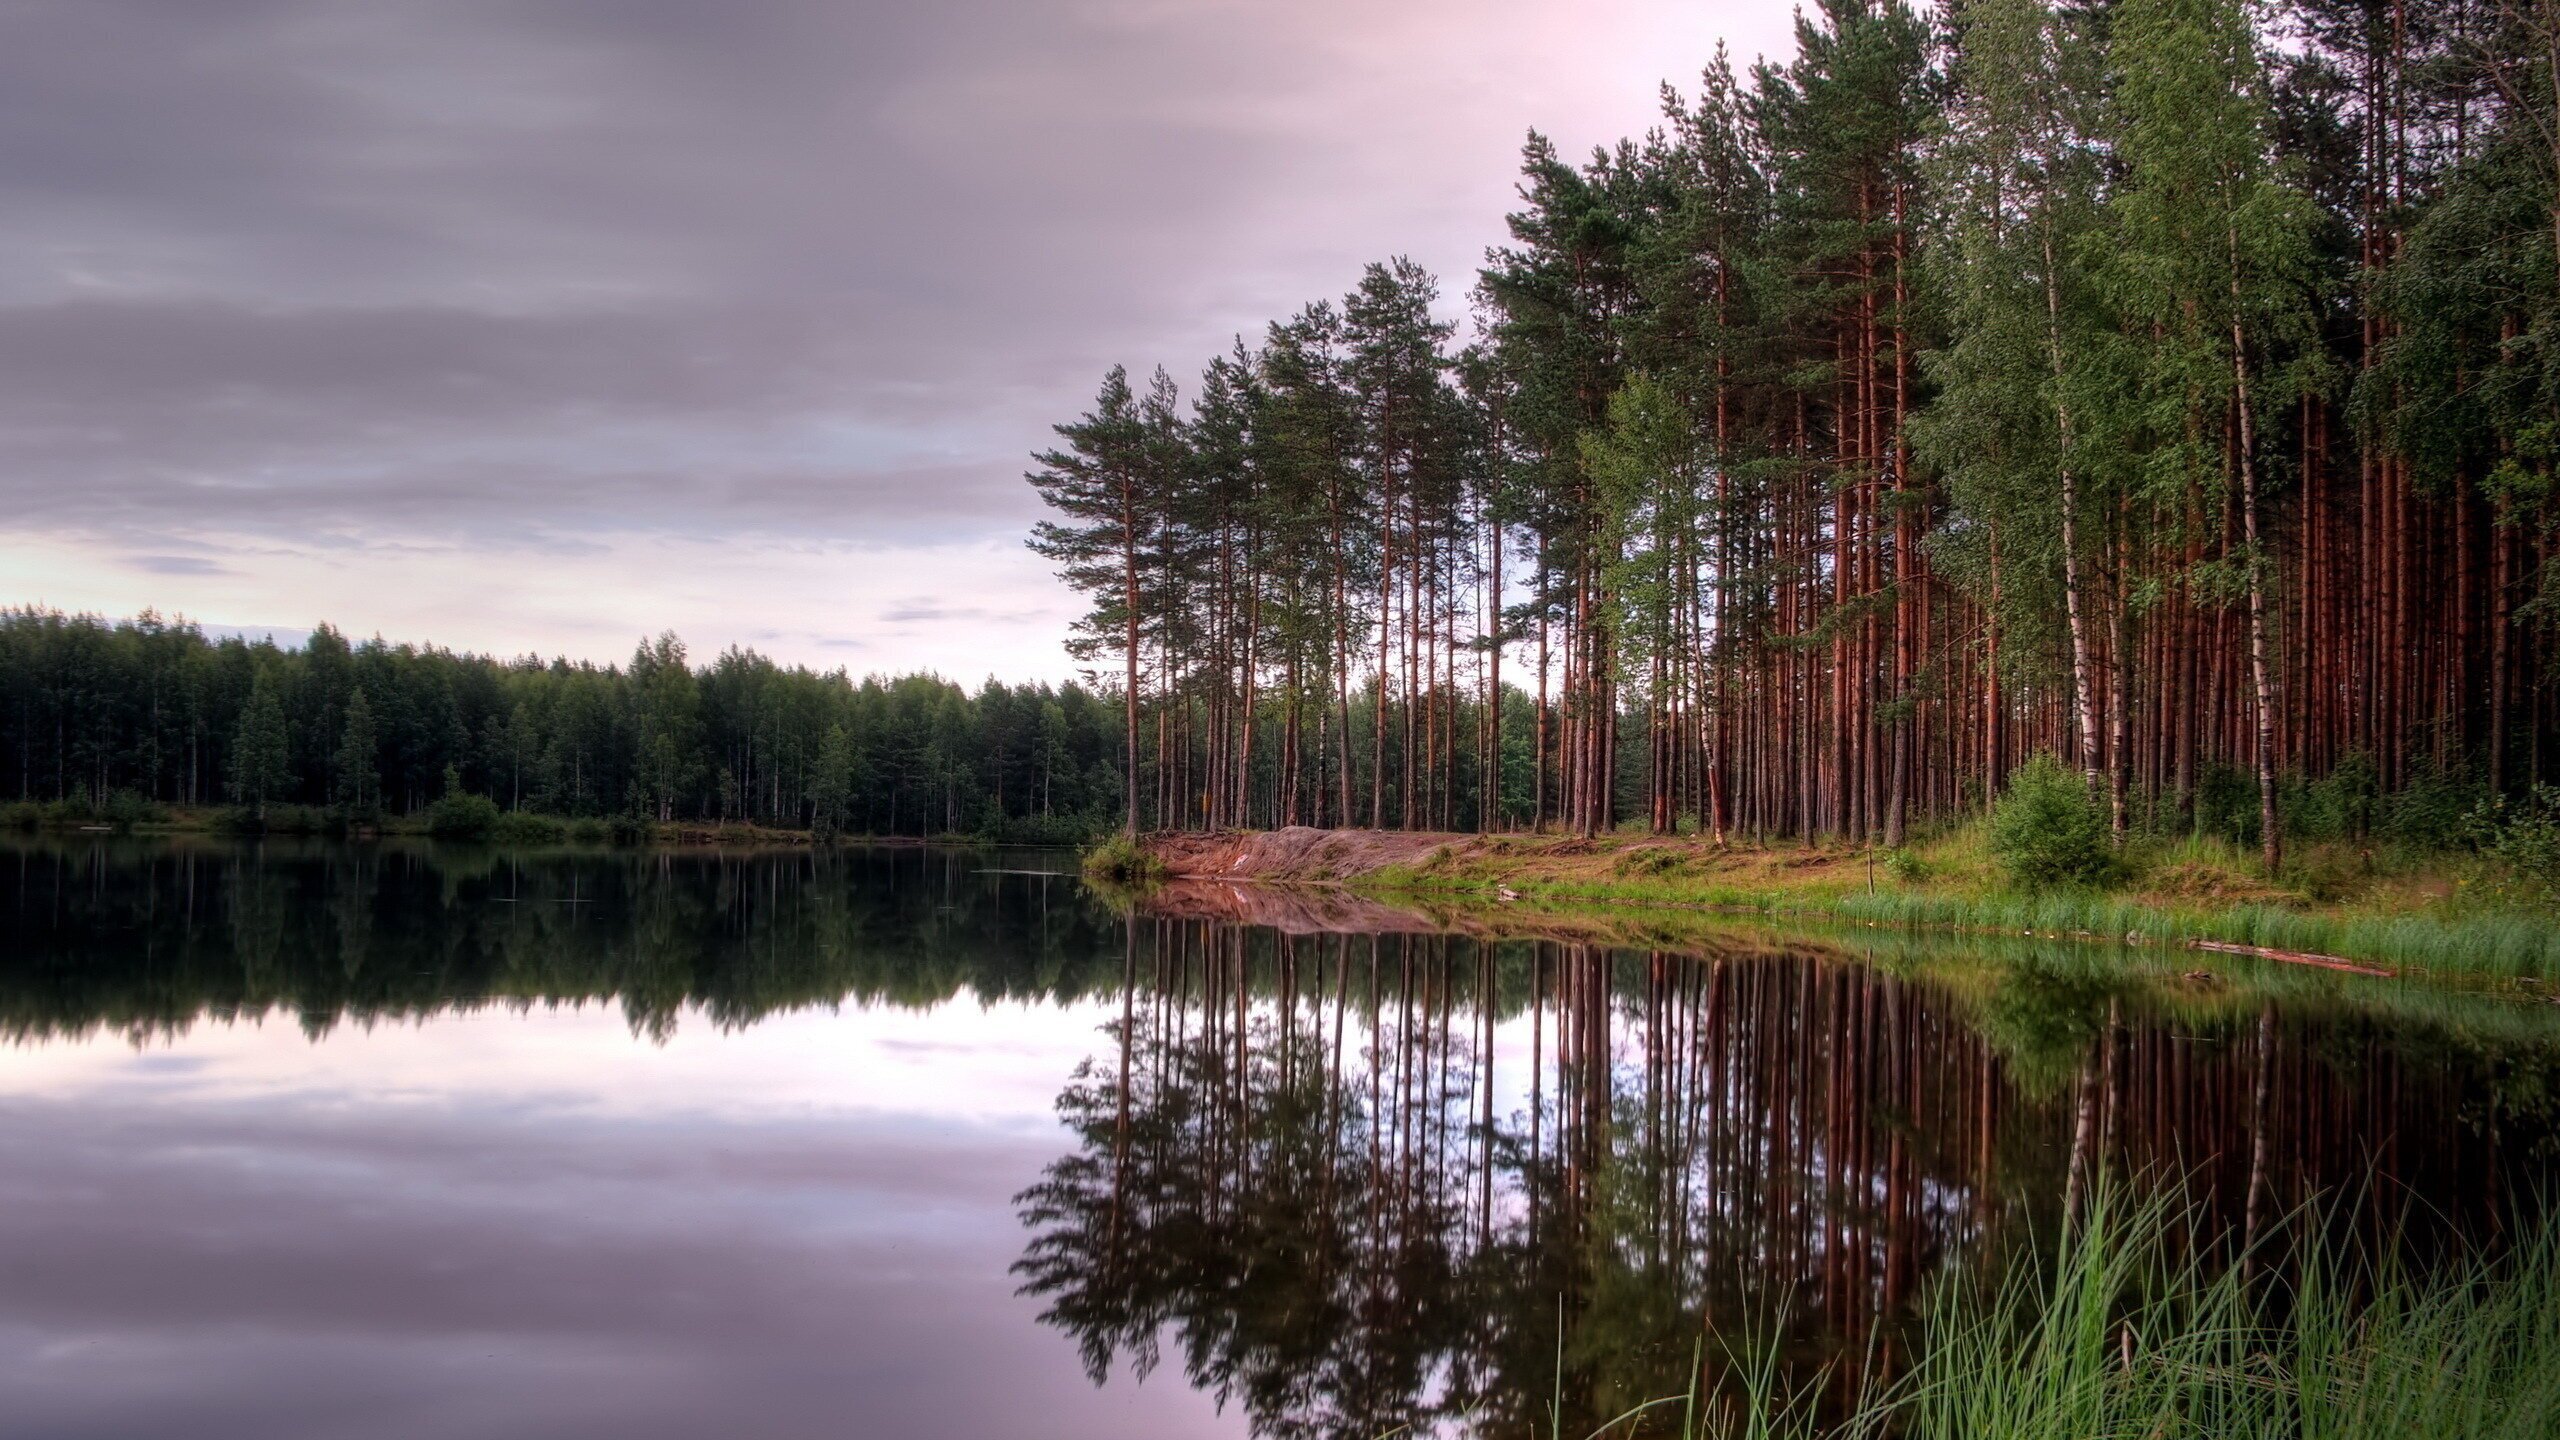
[2165, 385]
[108, 717]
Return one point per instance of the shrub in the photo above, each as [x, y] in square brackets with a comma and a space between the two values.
[463, 817]
[2227, 805]
[1904, 864]
[299, 820]
[519, 828]
[1120, 860]
[278, 820]
[127, 808]
[631, 830]
[2434, 812]
[2346, 800]
[589, 831]
[22, 815]
[2049, 830]
[2521, 837]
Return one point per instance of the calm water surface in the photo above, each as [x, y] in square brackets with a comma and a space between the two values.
[398, 1141]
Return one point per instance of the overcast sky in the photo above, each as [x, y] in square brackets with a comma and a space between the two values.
[540, 324]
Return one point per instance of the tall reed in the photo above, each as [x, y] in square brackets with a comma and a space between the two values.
[2134, 1331]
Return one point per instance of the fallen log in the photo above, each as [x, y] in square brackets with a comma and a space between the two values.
[2293, 957]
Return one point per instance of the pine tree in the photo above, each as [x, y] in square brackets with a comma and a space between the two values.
[261, 757]
[358, 762]
[1102, 488]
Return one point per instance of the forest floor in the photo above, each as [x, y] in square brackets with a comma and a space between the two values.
[2380, 908]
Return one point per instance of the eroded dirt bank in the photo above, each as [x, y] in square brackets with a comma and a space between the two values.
[1299, 855]
[1303, 856]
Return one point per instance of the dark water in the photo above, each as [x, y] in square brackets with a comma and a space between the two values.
[391, 1141]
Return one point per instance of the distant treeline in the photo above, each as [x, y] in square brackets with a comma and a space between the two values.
[2173, 385]
[157, 711]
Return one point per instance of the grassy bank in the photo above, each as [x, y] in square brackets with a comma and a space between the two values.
[2410, 911]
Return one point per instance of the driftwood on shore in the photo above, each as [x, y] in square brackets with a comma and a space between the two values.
[2292, 957]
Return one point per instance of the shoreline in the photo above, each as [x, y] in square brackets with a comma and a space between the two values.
[2411, 917]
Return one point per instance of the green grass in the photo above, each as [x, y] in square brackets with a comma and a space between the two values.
[2379, 905]
[2138, 1330]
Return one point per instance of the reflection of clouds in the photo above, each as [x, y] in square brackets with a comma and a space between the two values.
[581, 1059]
[522, 1223]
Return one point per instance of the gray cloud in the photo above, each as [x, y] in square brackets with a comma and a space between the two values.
[317, 273]
[178, 565]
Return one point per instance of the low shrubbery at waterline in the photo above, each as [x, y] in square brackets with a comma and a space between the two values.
[1124, 862]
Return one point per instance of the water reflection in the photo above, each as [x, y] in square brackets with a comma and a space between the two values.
[1326, 1164]
[147, 936]
[1423, 1184]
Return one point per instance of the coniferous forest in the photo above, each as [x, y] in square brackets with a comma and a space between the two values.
[102, 717]
[2169, 385]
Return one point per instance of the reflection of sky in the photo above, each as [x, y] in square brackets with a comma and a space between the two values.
[538, 1224]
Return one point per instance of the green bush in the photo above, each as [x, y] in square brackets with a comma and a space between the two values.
[1121, 861]
[589, 831]
[127, 808]
[516, 827]
[301, 820]
[22, 815]
[2434, 811]
[463, 817]
[631, 830]
[2521, 837]
[1904, 864]
[2340, 805]
[2050, 830]
[278, 820]
[2227, 805]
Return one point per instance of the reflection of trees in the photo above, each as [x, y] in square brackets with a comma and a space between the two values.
[1283, 1208]
[1357, 1184]
[147, 937]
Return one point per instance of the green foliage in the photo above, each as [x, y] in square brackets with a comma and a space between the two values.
[1123, 862]
[2050, 830]
[276, 819]
[358, 762]
[1905, 865]
[516, 827]
[2520, 835]
[261, 766]
[2226, 804]
[462, 816]
[2433, 812]
[2342, 805]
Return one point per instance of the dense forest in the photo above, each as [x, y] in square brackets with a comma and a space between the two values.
[2170, 385]
[157, 712]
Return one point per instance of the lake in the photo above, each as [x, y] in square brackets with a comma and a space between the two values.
[398, 1140]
